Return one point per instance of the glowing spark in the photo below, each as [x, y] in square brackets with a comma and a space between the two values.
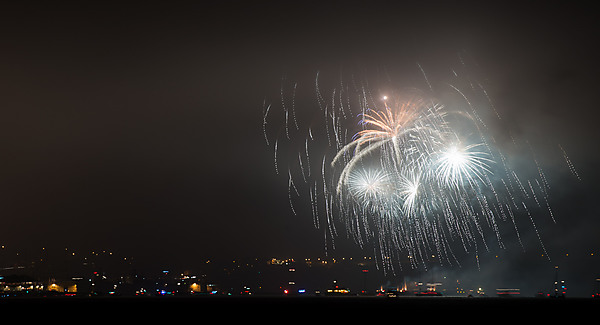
[368, 186]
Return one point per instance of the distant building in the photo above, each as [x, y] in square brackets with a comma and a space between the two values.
[20, 284]
[431, 289]
[63, 286]
[337, 290]
[200, 285]
[508, 292]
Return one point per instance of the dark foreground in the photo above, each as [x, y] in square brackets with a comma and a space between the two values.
[235, 306]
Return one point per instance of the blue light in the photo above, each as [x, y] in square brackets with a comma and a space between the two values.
[301, 290]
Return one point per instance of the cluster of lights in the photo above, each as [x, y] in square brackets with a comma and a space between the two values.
[341, 291]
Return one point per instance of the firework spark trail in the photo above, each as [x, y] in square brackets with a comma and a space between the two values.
[275, 157]
[571, 167]
[489, 100]
[285, 109]
[417, 178]
[266, 113]
[520, 184]
[536, 231]
[470, 105]
[294, 107]
[290, 197]
[302, 167]
[533, 193]
[425, 76]
[307, 156]
[291, 183]
[314, 205]
[543, 178]
[326, 116]
[512, 218]
[320, 99]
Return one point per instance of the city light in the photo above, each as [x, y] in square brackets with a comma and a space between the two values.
[288, 274]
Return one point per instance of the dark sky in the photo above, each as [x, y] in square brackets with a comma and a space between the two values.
[137, 127]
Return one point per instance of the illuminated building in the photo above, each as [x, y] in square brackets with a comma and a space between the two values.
[19, 284]
[63, 286]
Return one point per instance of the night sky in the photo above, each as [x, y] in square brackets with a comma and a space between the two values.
[138, 127]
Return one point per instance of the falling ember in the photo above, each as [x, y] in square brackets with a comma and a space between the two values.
[569, 163]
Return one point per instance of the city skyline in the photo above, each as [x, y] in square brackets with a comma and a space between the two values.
[231, 275]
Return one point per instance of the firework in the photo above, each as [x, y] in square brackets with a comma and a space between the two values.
[406, 172]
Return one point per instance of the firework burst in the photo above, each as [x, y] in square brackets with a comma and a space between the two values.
[406, 173]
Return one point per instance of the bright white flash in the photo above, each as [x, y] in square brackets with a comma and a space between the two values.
[368, 184]
[408, 193]
[458, 165]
